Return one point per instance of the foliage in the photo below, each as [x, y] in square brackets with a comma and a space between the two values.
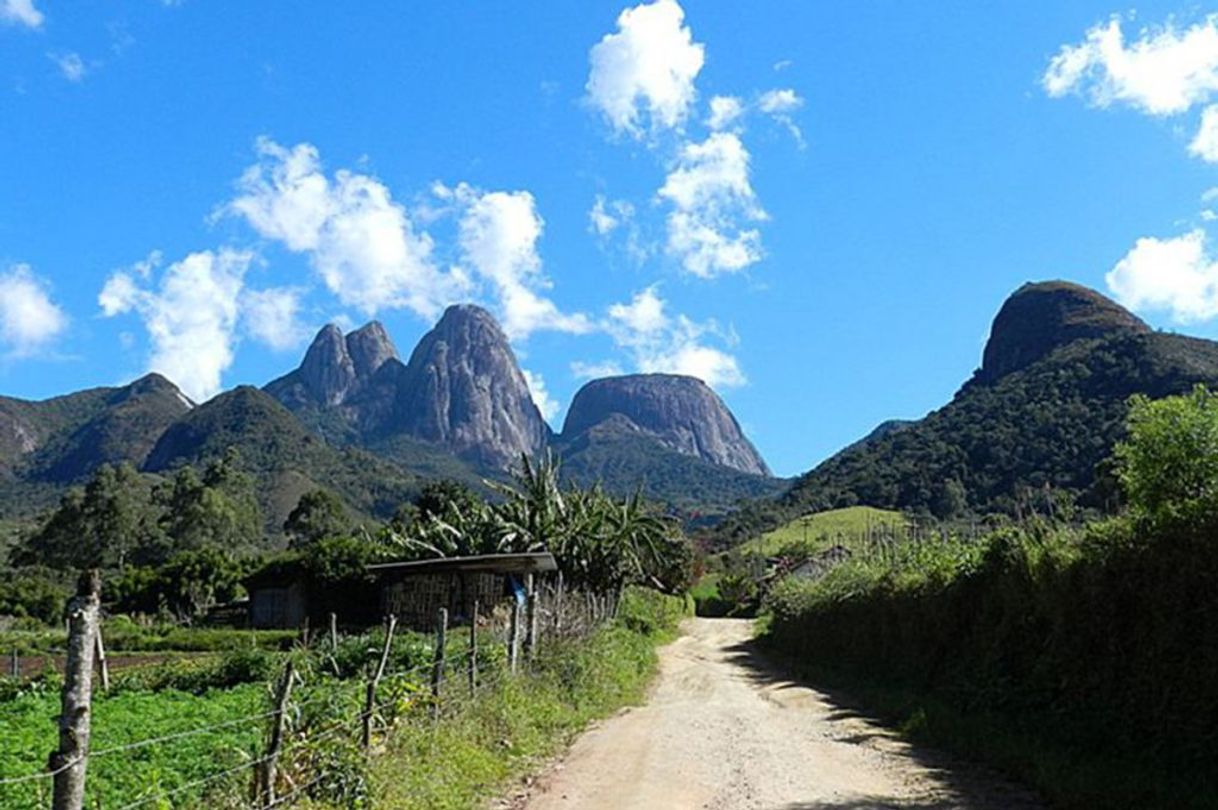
[1169, 464]
[186, 587]
[1101, 641]
[318, 515]
[1007, 446]
[37, 592]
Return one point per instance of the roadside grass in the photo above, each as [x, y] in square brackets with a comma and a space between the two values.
[510, 730]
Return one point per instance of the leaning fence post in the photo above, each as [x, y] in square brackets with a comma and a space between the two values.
[558, 606]
[473, 651]
[266, 768]
[437, 668]
[102, 665]
[334, 633]
[69, 762]
[370, 692]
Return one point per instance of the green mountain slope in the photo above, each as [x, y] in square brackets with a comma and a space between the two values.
[285, 458]
[1039, 417]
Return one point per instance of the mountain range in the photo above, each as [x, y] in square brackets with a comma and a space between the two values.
[1031, 431]
[355, 419]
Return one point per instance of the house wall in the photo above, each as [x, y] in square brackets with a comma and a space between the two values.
[277, 607]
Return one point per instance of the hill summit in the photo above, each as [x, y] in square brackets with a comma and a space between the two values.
[1043, 316]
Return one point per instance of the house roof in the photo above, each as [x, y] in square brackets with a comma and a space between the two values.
[526, 563]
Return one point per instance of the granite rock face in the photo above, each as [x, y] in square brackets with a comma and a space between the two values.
[462, 389]
[1038, 318]
[680, 413]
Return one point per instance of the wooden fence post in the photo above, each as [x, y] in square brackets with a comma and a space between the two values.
[334, 633]
[437, 668]
[102, 666]
[266, 769]
[514, 637]
[530, 629]
[69, 762]
[370, 693]
[15, 666]
[473, 651]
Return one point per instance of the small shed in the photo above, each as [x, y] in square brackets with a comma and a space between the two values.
[285, 596]
[415, 591]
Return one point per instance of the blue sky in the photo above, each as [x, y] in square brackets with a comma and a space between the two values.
[816, 206]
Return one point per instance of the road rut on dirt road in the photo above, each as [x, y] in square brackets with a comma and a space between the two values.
[722, 730]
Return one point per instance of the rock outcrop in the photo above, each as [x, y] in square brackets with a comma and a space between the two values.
[679, 413]
[1038, 318]
[462, 389]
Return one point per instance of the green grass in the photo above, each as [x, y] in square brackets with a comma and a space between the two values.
[509, 731]
[821, 530]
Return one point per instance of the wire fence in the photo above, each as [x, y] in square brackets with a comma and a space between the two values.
[329, 709]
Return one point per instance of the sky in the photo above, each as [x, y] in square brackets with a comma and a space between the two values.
[815, 207]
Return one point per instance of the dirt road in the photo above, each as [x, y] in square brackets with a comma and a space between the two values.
[723, 730]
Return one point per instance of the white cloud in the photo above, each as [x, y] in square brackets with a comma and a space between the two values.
[1178, 276]
[779, 101]
[724, 111]
[21, 12]
[593, 371]
[70, 65]
[1165, 71]
[548, 406]
[191, 315]
[779, 104]
[271, 316]
[357, 237]
[659, 343]
[1205, 144]
[711, 195]
[498, 234]
[607, 216]
[29, 320]
[648, 65]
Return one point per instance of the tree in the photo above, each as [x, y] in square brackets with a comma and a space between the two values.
[1168, 466]
[319, 514]
[217, 509]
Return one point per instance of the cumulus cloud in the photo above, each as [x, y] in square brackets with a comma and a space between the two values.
[592, 371]
[20, 12]
[607, 216]
[357, 237]
[1205, 144]
[498, 234]
[657, 342]
[711, 197]
[191, 314]
[1178, 276]
[647, 68]
[724, 111]
[1163, 72]
[29, 320]
[70, 65]
[272, 317]
[545, 403]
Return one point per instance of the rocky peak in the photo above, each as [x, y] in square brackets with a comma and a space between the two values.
[369, 347]
[463, 389]
[327, 371]
[681, 413]
[1044, 316]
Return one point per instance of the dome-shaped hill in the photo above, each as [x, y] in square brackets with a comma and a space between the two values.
[1038, 318]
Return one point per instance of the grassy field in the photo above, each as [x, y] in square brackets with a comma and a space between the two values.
[824, 529]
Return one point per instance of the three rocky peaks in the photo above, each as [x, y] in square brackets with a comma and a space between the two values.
[463, 391]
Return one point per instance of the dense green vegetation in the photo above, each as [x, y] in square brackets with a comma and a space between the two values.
[820, 530]
[1080, 659]
[1033, 441]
